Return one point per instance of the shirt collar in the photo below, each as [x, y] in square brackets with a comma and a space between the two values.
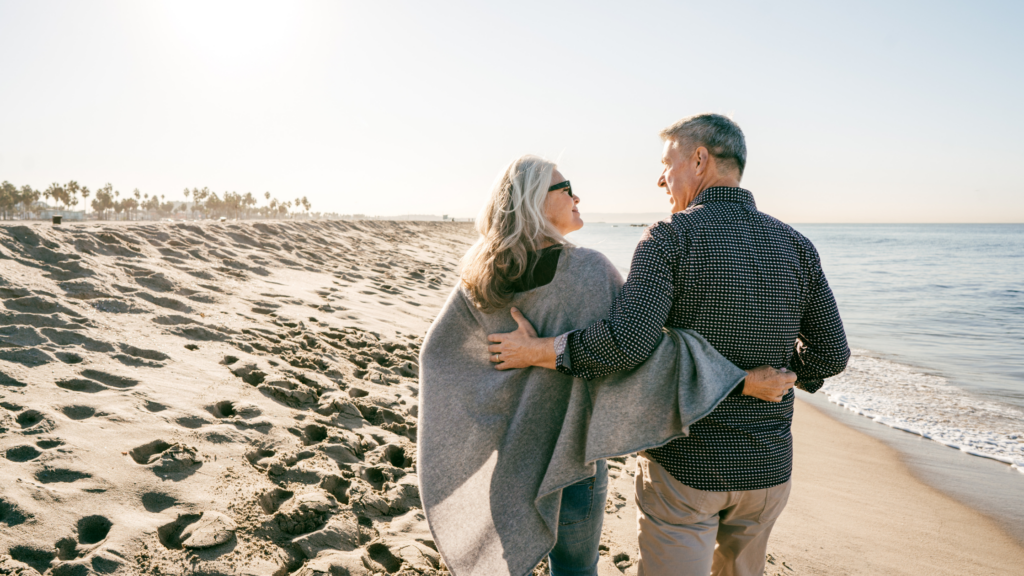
[724, 194]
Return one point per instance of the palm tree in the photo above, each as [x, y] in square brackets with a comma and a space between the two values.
[71, 192]
[85, 201]
[54, 192]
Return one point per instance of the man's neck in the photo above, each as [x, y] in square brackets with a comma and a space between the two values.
[721, 182]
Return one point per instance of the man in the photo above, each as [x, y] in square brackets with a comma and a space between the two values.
[754, 288]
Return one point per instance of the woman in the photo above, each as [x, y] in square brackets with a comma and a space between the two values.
[511, 463]
[520, 252]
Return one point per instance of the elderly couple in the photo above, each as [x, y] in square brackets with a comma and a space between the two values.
[690, 362]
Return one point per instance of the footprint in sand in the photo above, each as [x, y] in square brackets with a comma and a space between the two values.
[26, 356]
[222, 409]
[69, 357]
[73, 338]
[396, 456]
[250, 374]
[257, 455]
[10, 381]
[167, 458]
[143, 353]
[136, 362]
[336, 486]
[34, 422]
[382, 555]
[10, 514]
[191, 422]
[81, 385]
[271, 500]
[173, 320]
[311, 434]
[109, 379]
[60, 475]
[91, 531]
[234, 409]
[22, 453]
[197, 531]
[38, 558]
[165, 302]
[78, 412]
[156, 502]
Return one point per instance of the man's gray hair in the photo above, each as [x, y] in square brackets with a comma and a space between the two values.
[720, 135]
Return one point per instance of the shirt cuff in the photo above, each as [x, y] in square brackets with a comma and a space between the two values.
[810, 385]
[563, 361]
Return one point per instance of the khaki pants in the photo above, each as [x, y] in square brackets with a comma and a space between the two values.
[678, 526]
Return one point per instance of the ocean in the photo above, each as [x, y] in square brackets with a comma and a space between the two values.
[935, 317]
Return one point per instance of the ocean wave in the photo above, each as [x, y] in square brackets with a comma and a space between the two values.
[904, 398]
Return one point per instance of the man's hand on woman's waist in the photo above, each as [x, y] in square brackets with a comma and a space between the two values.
[768, 384]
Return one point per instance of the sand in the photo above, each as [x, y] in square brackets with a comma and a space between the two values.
[240, 398]
[857, 509]
[212, 398]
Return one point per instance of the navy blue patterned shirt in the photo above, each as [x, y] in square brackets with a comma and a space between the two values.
[754, 288]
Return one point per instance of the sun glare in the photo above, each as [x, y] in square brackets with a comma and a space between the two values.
[233, 35]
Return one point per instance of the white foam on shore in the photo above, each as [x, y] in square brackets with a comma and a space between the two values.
[901, 397]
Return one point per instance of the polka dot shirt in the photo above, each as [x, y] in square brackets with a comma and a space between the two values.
[754, 288]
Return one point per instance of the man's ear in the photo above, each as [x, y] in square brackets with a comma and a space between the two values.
[702, 158]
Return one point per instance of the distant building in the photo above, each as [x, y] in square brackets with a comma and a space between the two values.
[69, 215]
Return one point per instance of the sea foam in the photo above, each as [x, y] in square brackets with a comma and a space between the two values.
[904, 398]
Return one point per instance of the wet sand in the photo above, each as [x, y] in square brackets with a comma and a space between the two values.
[856, 508]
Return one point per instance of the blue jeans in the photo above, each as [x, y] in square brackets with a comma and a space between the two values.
[579, 526]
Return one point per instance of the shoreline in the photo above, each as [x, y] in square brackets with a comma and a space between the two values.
[858, 508]
[988, 486]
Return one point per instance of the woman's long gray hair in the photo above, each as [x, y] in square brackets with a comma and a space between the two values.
[512, 224]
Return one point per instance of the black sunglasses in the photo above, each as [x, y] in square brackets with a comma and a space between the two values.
[560, 185]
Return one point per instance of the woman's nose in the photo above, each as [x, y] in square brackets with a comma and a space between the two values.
[575, 199]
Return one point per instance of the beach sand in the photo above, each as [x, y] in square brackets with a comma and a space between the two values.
[240, 398]
[235, 398]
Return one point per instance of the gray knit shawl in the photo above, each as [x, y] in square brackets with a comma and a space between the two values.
[495, 448]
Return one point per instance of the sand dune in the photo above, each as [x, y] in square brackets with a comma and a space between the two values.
[234, 398]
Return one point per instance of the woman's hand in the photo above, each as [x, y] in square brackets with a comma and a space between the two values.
[768, 384]
[522, 348]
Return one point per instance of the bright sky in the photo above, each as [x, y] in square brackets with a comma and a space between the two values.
[854, 111]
